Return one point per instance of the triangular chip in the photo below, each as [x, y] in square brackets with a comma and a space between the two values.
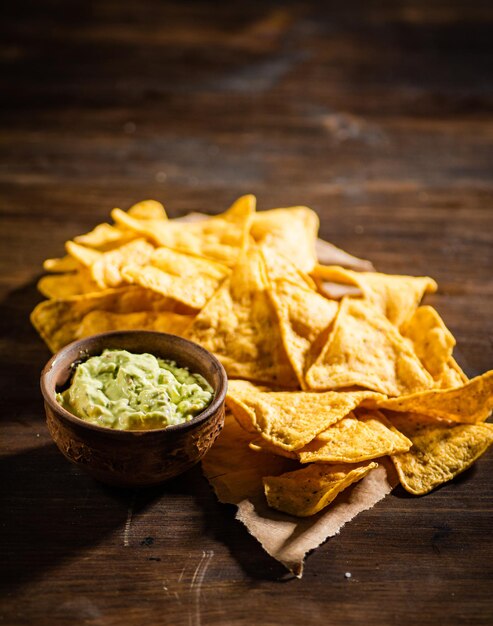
[355, 439]
[469, 404]
[308, 490]
[240, 326]
[183, 277]
[290, 419]
[303, 315]
[366, 350]
[291, 232]
[397, 297]
[431, 339]
[220, 238]
[452, 376]
[279, 267]
[439, 451]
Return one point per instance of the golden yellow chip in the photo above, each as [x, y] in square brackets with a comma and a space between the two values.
[67, 285]
[235, 471]
[439, 451]
[471, 403]
[64, 264]
[366, 350]
[148, 210]
[307, 491]
[184, 278]
[220, 238]
[291, 232]
[281, 268]
[355, 439]
[239, 325]
[107, 270]
[58, 321]
[452, 376]
[290, 419]
[105, 237]
[303, 315]
[160, 321]
[85, 256]
[397, 297]
[431, 339]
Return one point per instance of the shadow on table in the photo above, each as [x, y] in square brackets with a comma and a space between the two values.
[50, 511]
[23, 355]
[220, 524]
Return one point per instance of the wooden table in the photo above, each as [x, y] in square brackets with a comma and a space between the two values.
[377, 115]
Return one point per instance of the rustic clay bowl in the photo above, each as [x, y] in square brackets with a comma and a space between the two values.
[133, 458]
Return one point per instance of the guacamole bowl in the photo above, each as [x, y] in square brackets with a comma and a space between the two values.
[133, 458]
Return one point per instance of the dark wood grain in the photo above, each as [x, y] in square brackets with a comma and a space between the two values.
[379, 115]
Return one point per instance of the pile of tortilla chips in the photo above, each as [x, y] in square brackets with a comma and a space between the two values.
[331, 370]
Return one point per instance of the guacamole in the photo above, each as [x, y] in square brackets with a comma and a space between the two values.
[129, 391]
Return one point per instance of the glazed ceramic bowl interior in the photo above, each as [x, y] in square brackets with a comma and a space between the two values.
[133, 457]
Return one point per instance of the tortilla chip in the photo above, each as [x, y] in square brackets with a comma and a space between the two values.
[67, 285]
[303, 315]
[220, 238]
[64, 264]
[397, 297]
[148, 210]
[107, 271]
[184, 278]
[439, 451]
[290, 419]
[159, 321]
[469, 404]
[366, 350]
[431, 339]
[291, 232]
[306, 491]
[105, 237]
[85, 256]
[279, 267]
[451, 376]
[239, 325]
[355, 439]
[58, 321]
[234, 470]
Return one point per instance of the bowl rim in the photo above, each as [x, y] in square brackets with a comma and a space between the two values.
[209, 411]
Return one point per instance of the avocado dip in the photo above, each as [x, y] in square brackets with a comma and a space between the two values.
[127, 391]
